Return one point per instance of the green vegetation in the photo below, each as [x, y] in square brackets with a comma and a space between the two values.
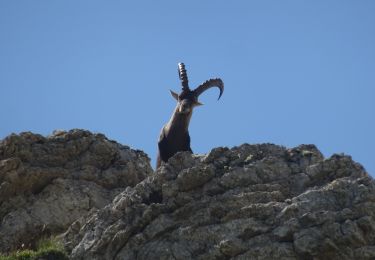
[46, 249]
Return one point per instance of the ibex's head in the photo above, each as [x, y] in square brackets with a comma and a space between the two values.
[188, 99]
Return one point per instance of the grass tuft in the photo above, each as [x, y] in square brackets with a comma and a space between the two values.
[48, 249]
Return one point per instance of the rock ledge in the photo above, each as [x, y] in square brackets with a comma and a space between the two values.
[249, 202]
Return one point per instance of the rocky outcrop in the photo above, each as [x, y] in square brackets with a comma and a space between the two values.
[248, 202]
[46, 183]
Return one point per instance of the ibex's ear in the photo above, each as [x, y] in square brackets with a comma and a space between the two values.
[174, 94]
[198, 104]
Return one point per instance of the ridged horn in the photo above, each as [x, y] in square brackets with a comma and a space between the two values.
[183, 76]
[209, 84]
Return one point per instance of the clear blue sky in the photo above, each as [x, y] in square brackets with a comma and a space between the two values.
[295, 72]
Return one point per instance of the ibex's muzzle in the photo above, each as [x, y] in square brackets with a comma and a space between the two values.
[185, 107]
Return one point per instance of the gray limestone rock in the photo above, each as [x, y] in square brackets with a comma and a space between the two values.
[248, 202]
[47, 183]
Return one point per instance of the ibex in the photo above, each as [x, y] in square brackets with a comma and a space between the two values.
[174, 136]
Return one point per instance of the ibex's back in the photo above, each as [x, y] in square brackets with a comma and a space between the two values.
[174, 136]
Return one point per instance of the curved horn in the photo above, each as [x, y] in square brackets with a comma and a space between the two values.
[183, 76]
[209, 84]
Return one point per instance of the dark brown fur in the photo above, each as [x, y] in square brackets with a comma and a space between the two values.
[174, 136]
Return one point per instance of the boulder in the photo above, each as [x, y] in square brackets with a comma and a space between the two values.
[46, 183]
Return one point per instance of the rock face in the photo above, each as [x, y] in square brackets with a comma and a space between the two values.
[47, 183]
[248, 202]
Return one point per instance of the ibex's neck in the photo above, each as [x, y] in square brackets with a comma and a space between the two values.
[179, 122]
